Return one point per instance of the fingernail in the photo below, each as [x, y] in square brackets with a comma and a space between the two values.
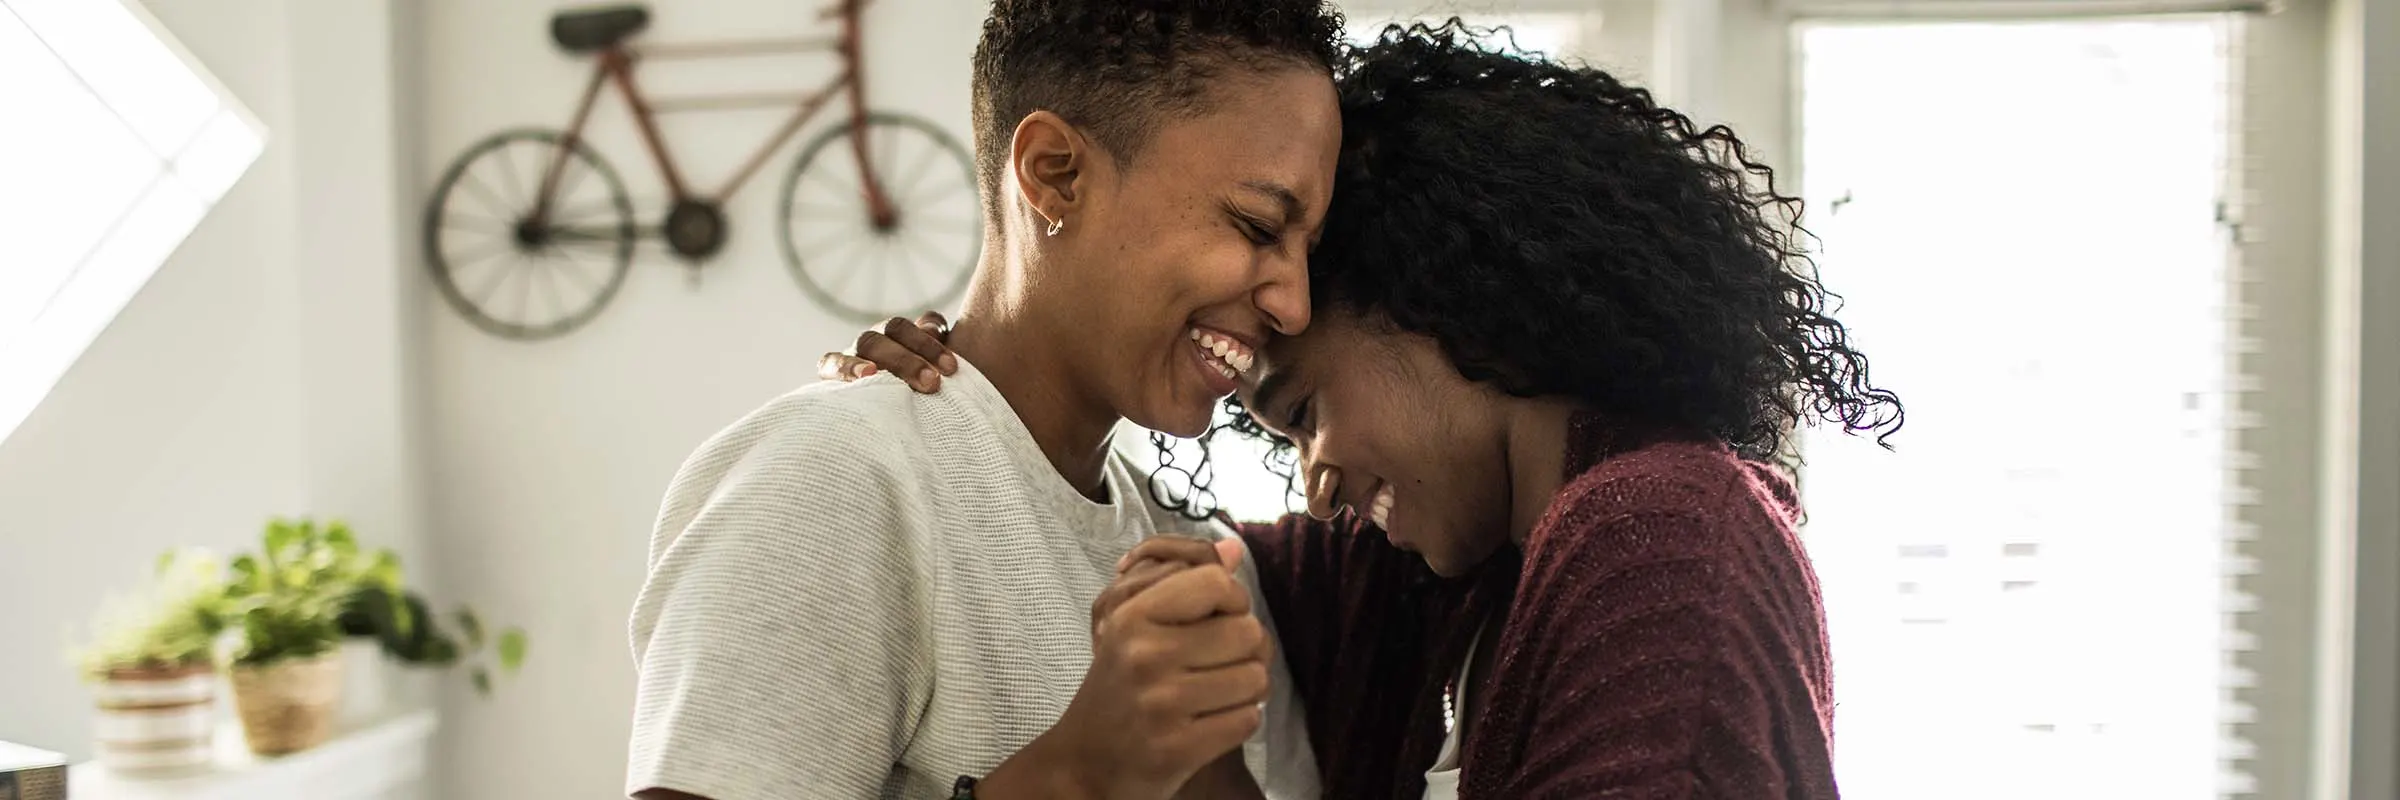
[927, 378]
[949, 364]
[862, 370]
[1122, 561]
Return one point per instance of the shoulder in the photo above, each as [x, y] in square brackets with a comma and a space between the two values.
[839, 433]
[829, 418]
[1686, 480]
[1668, 507]
[808, 471]
[812, 485]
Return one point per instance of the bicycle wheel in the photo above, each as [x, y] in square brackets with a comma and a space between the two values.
[863, 272]
[512, 275]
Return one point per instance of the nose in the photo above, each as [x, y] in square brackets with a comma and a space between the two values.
[1324, 486]
[1283, 298]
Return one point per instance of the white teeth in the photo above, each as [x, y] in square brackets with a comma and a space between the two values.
[1232, 358]
[1379, 510]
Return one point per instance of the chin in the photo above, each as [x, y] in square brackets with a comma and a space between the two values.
[1184, 426]
[1191, 413]
[1445, 568]
[1183, 421]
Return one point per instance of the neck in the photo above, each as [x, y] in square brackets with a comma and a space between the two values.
[1011, 346]
[1537, 462]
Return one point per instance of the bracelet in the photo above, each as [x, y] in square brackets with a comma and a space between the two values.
[963, 788]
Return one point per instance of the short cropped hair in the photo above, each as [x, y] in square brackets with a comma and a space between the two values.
[1117, 68]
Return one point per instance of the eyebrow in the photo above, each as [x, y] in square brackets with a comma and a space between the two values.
[1281, 194]
[1270, 389]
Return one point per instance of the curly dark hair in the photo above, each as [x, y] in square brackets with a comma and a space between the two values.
[1558, 233]
[1118, 67]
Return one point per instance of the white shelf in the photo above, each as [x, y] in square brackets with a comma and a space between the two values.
[364, 764]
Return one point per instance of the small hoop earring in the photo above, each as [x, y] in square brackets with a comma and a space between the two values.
[1056, 225]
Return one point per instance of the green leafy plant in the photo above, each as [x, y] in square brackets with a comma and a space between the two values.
[375, 602]
[404, 626]
[287, 599]
[173, 621]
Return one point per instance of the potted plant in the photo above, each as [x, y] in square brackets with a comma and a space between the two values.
[285, 603]
[151, 667]
[403, 627]
[383, 619]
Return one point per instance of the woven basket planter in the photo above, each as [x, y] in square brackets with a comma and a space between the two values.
[288, 706]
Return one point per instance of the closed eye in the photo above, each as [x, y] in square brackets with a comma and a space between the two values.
[1297, 421]
[1256, 231]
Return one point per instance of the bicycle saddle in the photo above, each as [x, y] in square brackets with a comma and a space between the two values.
[587, 29]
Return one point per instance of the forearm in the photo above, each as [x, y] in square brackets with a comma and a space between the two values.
[1042, 770]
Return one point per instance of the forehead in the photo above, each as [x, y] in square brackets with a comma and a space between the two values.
[1280, 126]
[1290, 364]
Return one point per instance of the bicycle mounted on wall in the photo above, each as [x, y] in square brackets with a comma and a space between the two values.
[538, 228]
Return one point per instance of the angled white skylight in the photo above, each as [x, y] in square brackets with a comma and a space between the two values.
[117, 144]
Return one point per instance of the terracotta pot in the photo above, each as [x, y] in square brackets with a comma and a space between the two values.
[288, 706]
[155, 719]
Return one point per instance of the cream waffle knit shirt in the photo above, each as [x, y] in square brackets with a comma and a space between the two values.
[858, 591]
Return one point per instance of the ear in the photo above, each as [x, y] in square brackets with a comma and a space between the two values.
[1051, 161]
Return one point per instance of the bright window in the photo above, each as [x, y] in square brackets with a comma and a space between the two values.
[121, 143]
[2026, 599]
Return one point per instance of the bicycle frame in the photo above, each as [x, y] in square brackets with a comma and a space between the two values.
[615, 65]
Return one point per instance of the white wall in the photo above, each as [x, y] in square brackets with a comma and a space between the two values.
[260, 372]
[181, 423]
[548, 459]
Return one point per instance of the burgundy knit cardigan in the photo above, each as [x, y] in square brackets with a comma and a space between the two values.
[1660, 635]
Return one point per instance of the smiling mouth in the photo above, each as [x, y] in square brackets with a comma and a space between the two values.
[1379, 509]
[1227, 355]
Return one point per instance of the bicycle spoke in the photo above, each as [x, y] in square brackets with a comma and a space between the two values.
[880, 298]
[485, 192]
[524, 294]
[508, 171]
[488, 226]
[941, 262]
[478, 254]
[539, 279]
[915, 242]
[580, 278]
[579, 213]
[947, 192]
[491, 287]
[884, 155]
[569, 177]
[565, 307]
[939, 223]
[852, 190]
[848, 276]
[924, 166]
[822, 206]
[823, 239]
[602, 238]
[908, 276]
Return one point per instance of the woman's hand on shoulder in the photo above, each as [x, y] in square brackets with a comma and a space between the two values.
[916, 352]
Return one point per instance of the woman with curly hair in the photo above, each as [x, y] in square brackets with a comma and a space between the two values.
[1560, 333]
